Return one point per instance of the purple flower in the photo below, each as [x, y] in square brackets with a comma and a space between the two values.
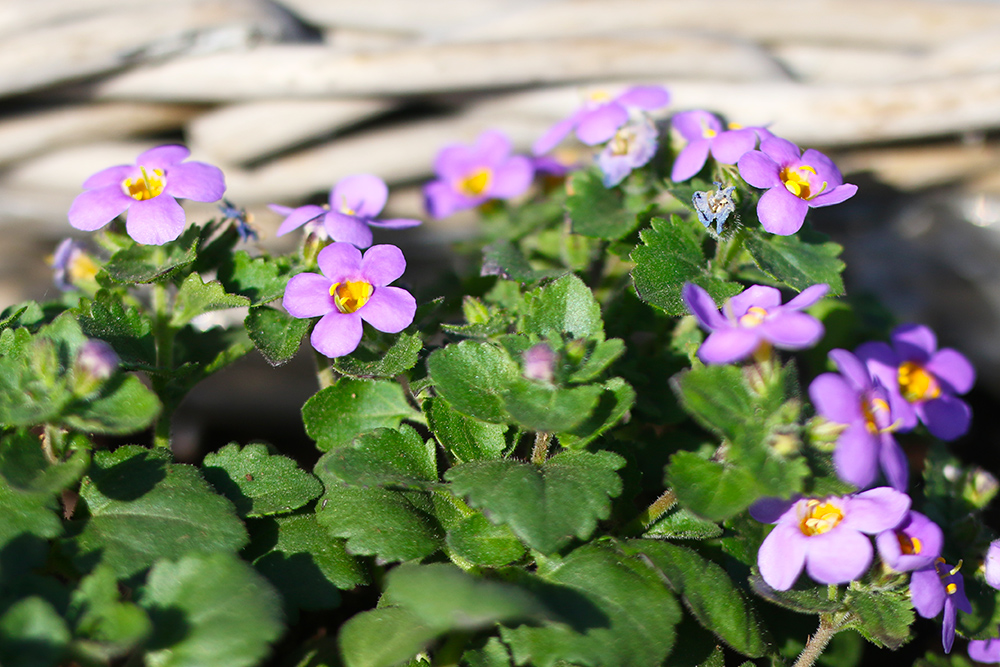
[354, 203]
[795, 183]
[993, 564]
[858, 401]
[352, 288]
[923, 380]
[95, 362]
[148, 190]
[539, 362]
[824, 535]
[704, 133]
[940, 587]
[913, 544]
[631, 147]
[72, 264]
[601, 116]
[753, 318]
[471, 175]
[985, 650]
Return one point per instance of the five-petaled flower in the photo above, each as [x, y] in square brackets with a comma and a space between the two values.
[913, 544]
[355, 201]
[472, 175]
[631, 147]
[824, 535]
[795, 182]
[601, 116]
[351, 288]
[704, 133]
[986, 651]
[752, 319]
[72, 265]
[858, 401]
[148, 190]
[936, 588]
[922, 380]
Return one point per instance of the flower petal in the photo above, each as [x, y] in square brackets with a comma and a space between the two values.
[914, 342]
[390, 309]
[111, 176]
[782, 151]
[729, 146]
[781, 556]
[365, 194]
[556, 133]
[383, 264]
[441, 200]
[92, 209]
[953, 368]
[759, 170]
[724, 346]
[155, 221]
[792, 330]
[993, 564]
[308, 295]
[852, 369]
[297, 217]
[927, 592]
[808, 297]
[340, 262]
[347, 228]
[761, 296]
[770, 510]
[835, 399]
[599, 125]
[894, 463]
[337, 333]
[839, 556]
[985, 650]
[881, 361]
[455, 161]
[946, 417]
[645, 97]
[690, 160]
[780, 212]
[835, 196]
[395, 223]
[856, 456]
[875, 510]
[948, 624]
[196, 181]
[162, 157]
[692, 124]
[703, 307]
[512, 177]
[492, 147]
[826, 170]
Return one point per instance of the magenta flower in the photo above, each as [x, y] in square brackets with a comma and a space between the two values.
[858, 401]
[472, 175]
[985, 650]
[753, 318]
[601, 116]
[148, 190]
[795, 182]
[704, 133]
[936, 588]
[913, 544]
[354, 203]
[922, 380]
[824, 535]
[352, 288]
[630, 148]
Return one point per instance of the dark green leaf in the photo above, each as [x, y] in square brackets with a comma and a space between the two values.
[124, 406]
[210, 611]
[385, 457]
[595, 210]
[383, 637]
[402, 356]
[613, 404]
[276, 334]
[152, 263]
[24, 467]
[26, 512]
[681, 524]
[492, 653]
[669, 257]
[259, 483]
[196, 297]
[539, 407]
[483, 543]
[32, 634]
[710, 489]
[796, 262]
[466, 438]
[260, 279]
[109, 628]
[883, 617]
[598, 359]
[546, 506]
[564, 306]
[124, 328]
[473, 377]
[812, 600]
[348, 408]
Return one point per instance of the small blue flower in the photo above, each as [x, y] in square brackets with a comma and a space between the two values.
[714, 206]
[241, 218]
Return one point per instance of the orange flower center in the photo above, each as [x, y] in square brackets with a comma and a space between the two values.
[753, 317]
[797, 181]
[351, 295]
[909, 545]
[872, 410]
[916, 384]
[475, 184]
[820, 517]
[147, 186]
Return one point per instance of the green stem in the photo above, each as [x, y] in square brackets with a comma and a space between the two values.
[451, 650]
[325, 375]
[648, 516]
[727, 251]
[163, 334]
[541, 449]
[818, 642]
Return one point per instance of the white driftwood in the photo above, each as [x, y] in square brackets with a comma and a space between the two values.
[919, 167]
[318, 71]
[241, 133]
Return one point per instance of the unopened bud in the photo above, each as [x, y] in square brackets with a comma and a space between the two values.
[539, 363]
[95, 362]
[980, 487]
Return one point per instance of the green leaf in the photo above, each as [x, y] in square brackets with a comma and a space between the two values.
[124, 406]
[681, 524]
[466, 438]
[598, 359]
[402, 356]
[708, 592]
[26, 512]
[196, 297]
[492, 653]
[143, 508]
[383, 637]
[32, 634]
[151, 263]
[546, 506]
[473, 377]
[597, 211]
[613, 404]
[386, 457]
[259, 279]
[798, 262]
[883, 617]
[24, 467]
[348, 408]
[539, 407]
[812, 600]
[618, 613]
[276, 334]
[503, 258]
[710, 489]
[306, 565]
[125, 328]
[109, 628]
[483, 543]
[564, 306]
[209, 611]
[259, 483]
[669, 257]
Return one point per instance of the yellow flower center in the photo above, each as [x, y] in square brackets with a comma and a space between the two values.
[621, 141]
[708, 133]
[753, 317]
[351, 295]
[916, 384]
[599, 96]
[820, 517]
[81, 267]
[147, 186]
[797, 181]
[475, 184]
[735, 126]
[872, 409]
[909, 545]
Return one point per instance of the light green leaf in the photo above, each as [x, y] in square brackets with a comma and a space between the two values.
[613, 404]
[473, 377]
[196, 297]
[483, 543]
[564, 306]
[125, 328]
[276, 334]
[710, 489]
[259, 483]
[348, 408]
[385, 457]
[32, 634]
[259, 279]
[383, 637]
[883, 617]
[124, 406]
[681, 524]
[151, 263]
[539, 407]
[503, 258]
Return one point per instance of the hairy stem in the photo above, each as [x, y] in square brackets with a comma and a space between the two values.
[541, 449]
[818, 642]
[648, 516]
[163, 334]
[325, 374]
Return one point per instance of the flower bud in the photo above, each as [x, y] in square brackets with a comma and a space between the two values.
[539, 363]
[95, 362]
[980, 487]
